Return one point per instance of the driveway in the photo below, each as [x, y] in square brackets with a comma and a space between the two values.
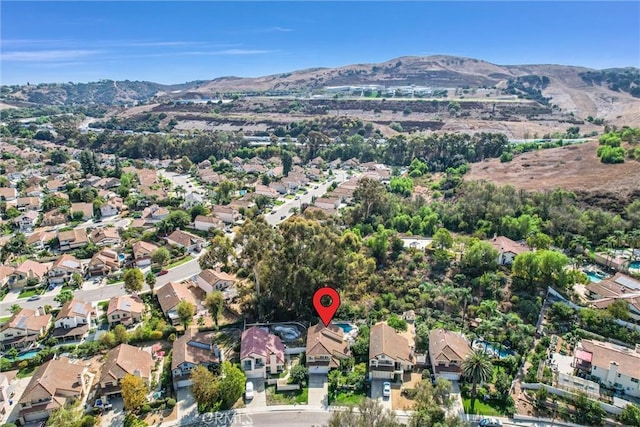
[457, 407]
[376, 393]
[187, 406]
[259, 400]
[318, 390]
[114, 416]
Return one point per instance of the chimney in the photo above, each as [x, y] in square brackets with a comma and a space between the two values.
[612, 375]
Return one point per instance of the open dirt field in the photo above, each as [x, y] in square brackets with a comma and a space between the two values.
[575, 168]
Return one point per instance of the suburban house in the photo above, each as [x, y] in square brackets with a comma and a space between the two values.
[154, 214]
[24, 328]
[614, 366]
[54, 217]
[142, 252]
[52, 386]
[5, 273]
[111, 208]
[28, 271]
[390, 355]
[261, 353]
[85, 208]
[73, 321]
[632, 300]
[28, 203]
[125, 310]
[206, 223]
[507, 249]
[73, 239]
[8, 194]
[191, 350]
[328, 203]
[170, 295]
[613, 287]
[4, 395]
[447, 350]
[107, 236]
[210, 280]
[183, 239]
[104, 263]
[122, 360]
[325, 348]
[191, 200]
[63, 268]
[226, 214]
[27, 221]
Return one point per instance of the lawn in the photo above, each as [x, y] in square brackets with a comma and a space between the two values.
[348, 398]
[278, 203]
[179, 262]
[289, 196]
[5, 319]
[30, 293]
[299, 397]
[489, 407]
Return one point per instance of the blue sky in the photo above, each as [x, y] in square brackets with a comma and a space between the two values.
[174, 42]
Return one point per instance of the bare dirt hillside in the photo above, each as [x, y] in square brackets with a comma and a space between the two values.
[575, 168]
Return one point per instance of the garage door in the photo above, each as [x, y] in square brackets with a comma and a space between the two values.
[318, 369]
[35, 416]
[381, 375]
[449, 376]
[183, 383]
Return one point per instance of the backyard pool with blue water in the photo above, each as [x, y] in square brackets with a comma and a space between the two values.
[501, 353]
[346, 327]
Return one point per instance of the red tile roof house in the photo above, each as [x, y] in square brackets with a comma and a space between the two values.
[190, 242]
[28, 270]
[73, 239]
[85, 208]
[103, 263]
[261, 353]
[191, 350]
[24, 328]
[447, 350]
[325, 348]
[125, 310]
[142, 252]
[210, 280]
[390, 355]
[52, 386]
[73, 321]
[170, 295]
[507, 249]
[63, 268]
[122, 360]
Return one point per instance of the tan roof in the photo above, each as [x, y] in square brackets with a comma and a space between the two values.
[75, 308]
[55, 379]
[126, 359]
[68, 262]
[104, 233]
[172, 293]
[604, 353]
[5, 270]
[85, 208]
[28, 201]
[329, 340]
[29, 319]
[143, 248]
[631, 299]
[38, 269]
[127, 303]
[192, 348]
[8, 193]
[620, 284]
[384, 340]
[77, 235]
[446, 346]
[183, 238]
[505, 244]
[40, 235]
[223, 209]
[211, 276]
[207, 219]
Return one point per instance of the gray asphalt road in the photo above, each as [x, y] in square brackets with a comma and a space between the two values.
[105, 292]
[283, 212]
[287, 418]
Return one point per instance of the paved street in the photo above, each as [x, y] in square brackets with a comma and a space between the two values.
[105, 292]
[285, 209]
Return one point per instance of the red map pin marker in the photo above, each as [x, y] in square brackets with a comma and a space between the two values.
[326, 312]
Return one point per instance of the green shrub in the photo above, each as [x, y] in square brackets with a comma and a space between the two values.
[506, 157]
[171, 403]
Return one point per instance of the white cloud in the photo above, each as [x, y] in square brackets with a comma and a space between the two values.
[229, 52]
[46, 55]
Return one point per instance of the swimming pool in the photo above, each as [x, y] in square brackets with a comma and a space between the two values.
[121, 257]
[28, 355]
[593, 277]
[635, 265]
[501, 353]
[346, 327]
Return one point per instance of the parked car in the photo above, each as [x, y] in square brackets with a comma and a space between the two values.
[34, 298]
[490, 422]
[248, 394]
[386, 389]
[163, 272]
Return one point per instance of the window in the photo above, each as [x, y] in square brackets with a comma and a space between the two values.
[635, 380]
[618, 375]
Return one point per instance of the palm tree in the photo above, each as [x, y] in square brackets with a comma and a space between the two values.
[489, 308]
[476, 368]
